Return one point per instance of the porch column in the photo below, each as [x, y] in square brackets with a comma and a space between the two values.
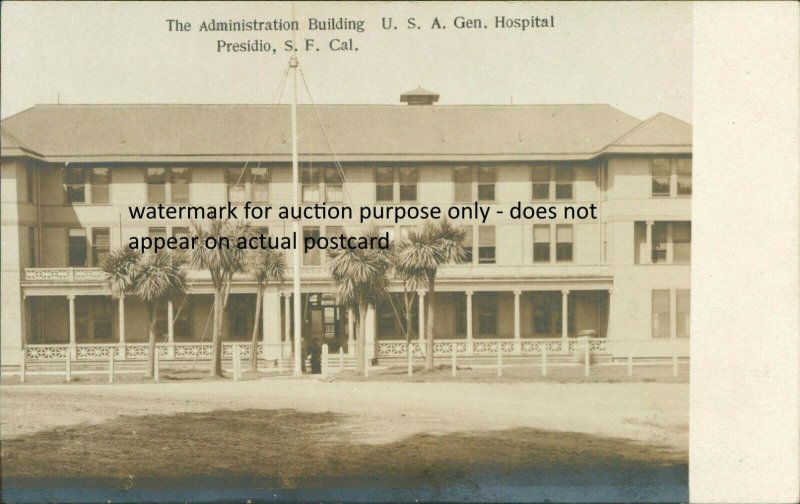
[369, 334]
[351, 339]
[565, 321]
[648, 256]
[271, 344]
[517, 331]
[170, 329]
[73, 341]
[287, 325]
[470, 343]
[421, 316]
[122, 327]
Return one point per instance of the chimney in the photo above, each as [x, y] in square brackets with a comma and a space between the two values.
[419, 96]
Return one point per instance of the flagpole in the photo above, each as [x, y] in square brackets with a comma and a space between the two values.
[298, 347]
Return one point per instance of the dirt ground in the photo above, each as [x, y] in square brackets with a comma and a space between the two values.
[376, 411]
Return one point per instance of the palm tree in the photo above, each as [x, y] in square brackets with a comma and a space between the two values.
[265, 266]
[424, 250]
[361, 280]
[153, 278]
[413, 280]
[222, 262]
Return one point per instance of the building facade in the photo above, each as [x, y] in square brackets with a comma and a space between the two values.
[70, 172]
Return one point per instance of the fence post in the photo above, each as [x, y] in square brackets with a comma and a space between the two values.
[325, 361]
[544, 360]
[22, 369]
[341, 360]
[409, 359]
[586, 359]
[280, 365]
[366, 368]
[499, 359]
[155, 364]
[630, 363]
[111, 365]
[235, 363]
[453, 361]
[69, 367]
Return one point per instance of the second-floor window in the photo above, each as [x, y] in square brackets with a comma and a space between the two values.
[474, 183]
[101, 244]
[550, 182]
[77, 248]
[86, 184]
[168, 185]
[486, 245]
[248, 184]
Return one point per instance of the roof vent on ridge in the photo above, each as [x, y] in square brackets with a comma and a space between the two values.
[419, 96]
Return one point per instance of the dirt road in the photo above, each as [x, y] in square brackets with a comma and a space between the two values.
[653, 413]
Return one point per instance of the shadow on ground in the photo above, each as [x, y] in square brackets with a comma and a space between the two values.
[276, 455]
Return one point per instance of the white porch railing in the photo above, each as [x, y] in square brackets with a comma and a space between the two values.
[133, 351]
[397, 348]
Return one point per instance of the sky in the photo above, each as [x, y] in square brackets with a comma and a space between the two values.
[634, 56]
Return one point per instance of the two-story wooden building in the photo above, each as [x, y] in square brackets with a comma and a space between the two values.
[69, 173]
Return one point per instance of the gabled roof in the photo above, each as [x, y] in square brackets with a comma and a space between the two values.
[61, 133]
[660, 131]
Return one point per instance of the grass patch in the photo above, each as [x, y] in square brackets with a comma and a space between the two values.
[287, 449]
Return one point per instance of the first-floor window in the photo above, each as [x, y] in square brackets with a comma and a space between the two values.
[460, 311]
[103, 314]
[487, 313]
[182, 327]
[683, 302]
[564, 240]
[486, 245]
[77, 248]
[661, 313]
[541, 243]
[386, 317]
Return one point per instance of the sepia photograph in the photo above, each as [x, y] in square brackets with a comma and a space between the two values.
[385, 252]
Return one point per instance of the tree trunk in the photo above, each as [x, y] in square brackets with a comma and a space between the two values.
[254, 341]
[151, 340]
[409, 321]
[361, 344]
[429, 325]
[216, 341]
